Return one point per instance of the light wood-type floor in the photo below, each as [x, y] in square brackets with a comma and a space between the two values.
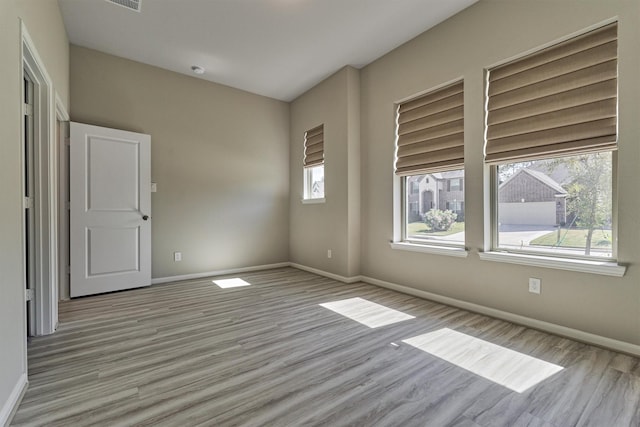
[190, 353]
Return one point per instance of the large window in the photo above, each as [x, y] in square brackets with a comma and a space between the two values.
[559, 206]
[314, 163]
[430, 158]
[551, 139]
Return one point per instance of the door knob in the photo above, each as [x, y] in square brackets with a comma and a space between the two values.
[145, 217]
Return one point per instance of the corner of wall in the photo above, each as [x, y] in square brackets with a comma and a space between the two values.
[353, 172]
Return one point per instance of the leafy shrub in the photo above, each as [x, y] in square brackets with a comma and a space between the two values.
[438, 220]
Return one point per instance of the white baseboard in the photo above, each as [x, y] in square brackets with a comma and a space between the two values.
[552, 328]
[10, 407]
[333, 276]
[218, 273]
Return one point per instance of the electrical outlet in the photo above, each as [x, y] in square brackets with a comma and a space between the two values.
[329, 253]
[177, 256]
[534, 285]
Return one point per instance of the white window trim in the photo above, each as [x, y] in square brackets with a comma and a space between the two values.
[399, 242]
[313, 201]
[455, 251]
[307, 186]
[606, 268]
[492, 253]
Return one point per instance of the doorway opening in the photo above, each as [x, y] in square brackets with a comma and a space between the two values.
[39, 175]
[29, 231]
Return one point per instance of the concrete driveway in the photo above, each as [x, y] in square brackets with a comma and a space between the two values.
[510, 234]
[522, 235]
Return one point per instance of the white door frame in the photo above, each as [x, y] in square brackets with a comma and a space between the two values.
[46, 195]
[62, 136]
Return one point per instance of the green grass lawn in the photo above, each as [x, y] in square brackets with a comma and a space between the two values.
[575, 239]
[414, 228]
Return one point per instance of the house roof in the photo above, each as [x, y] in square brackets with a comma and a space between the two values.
[415, 178]
[542, 177]
[558, 171]
[438, 175]
[452, 174]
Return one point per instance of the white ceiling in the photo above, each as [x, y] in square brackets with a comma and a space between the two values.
[276, 48]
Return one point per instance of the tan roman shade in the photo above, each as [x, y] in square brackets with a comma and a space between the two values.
[314, 146]
[559, 101]
[431, 132]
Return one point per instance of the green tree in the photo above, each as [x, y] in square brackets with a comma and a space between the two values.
[589, 197]
[506, 171]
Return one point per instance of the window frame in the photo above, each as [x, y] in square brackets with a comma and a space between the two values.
[399, 228]
[493, 241]
[307, 183]
[489, 252]
[404, 221]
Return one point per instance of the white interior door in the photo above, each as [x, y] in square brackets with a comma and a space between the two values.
[110, 195]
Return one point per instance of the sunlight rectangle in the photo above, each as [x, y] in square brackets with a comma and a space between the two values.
[231, 283]
[366, 312]
[514, 370]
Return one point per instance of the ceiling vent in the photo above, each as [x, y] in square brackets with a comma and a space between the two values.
[129, 4]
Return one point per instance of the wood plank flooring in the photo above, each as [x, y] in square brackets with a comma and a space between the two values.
[192, 354]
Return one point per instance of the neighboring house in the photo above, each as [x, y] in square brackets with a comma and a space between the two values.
[530, 197]
[444, 191]
[451, 195]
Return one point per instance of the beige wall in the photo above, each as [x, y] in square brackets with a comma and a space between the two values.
[489, 32]
[335, 224]
[43, 21]
[219, 156]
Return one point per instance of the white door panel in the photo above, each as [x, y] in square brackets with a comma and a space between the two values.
[109, 189]
[110, 177]
[113, 250]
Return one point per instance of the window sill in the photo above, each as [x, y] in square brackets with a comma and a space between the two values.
[569, 264]
[312, 201]
[459, 252]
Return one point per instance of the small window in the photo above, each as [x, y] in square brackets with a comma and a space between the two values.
[559, 206]
[415, 187]
[454, 184]
[314, 182]
[314, 163]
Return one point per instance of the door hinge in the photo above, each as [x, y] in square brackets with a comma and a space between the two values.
[68, 270]
[27, 109]
[28, 202]
[67, 141]
[29, 294]
[67, 205]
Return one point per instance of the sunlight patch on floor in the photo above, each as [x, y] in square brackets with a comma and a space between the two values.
[236, 282]
[366, 312]
[514, 370]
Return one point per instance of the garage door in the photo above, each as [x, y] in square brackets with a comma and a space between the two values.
[528, 213]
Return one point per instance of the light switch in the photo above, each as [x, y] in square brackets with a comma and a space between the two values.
[154, 187]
